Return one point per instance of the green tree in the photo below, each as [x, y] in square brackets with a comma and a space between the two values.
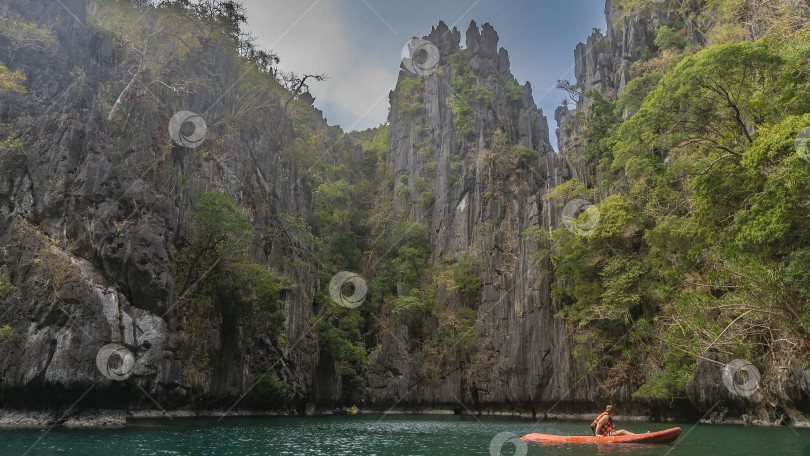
[222, 235]
[216, 277]
[668, 38]
[710, 104]
[252, 293]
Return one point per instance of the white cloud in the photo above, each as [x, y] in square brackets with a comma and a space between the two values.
[313, 40]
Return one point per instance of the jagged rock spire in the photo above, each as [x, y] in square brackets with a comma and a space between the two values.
[446, 40]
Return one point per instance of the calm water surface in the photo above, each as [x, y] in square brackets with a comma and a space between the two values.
[382, 435]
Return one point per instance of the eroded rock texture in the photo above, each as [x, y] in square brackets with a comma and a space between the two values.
[91, 216]
[522, 355]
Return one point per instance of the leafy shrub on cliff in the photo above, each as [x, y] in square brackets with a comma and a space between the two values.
[426, 199]
[253, 293]
[12, 147]
[339, 336]
[375, 151]
[222, 236]
[223, 227]
[410, 262]
[270, 392]
[513, 91]
[330, 201]
[606, 282]
[462, 115]
[414, 109]
[466, 95]
[6, 288]
[6, 333]
[51, 266]
[598, 124]
[467, 278]
[214, 273]
[29, 36]
[635, 92]
[668, 38]
[459, 62]
[499, 161]
[11, 82]
[570, 190]
[671, 382]
[408, 96]
[797, 275]
[528, 157]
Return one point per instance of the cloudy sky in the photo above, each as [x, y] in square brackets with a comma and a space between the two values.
[359, 43]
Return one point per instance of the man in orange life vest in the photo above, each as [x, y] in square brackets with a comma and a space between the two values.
[603, 424]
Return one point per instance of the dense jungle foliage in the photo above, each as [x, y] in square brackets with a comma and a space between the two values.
[702, 182]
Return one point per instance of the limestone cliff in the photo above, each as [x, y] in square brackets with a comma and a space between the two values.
[91, 216]
[522, 355]
[603, 62]
[96, 206]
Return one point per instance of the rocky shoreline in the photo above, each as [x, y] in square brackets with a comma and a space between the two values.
[105, 418]
[108, 418]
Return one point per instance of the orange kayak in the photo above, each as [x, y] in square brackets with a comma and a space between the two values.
[650, 437]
